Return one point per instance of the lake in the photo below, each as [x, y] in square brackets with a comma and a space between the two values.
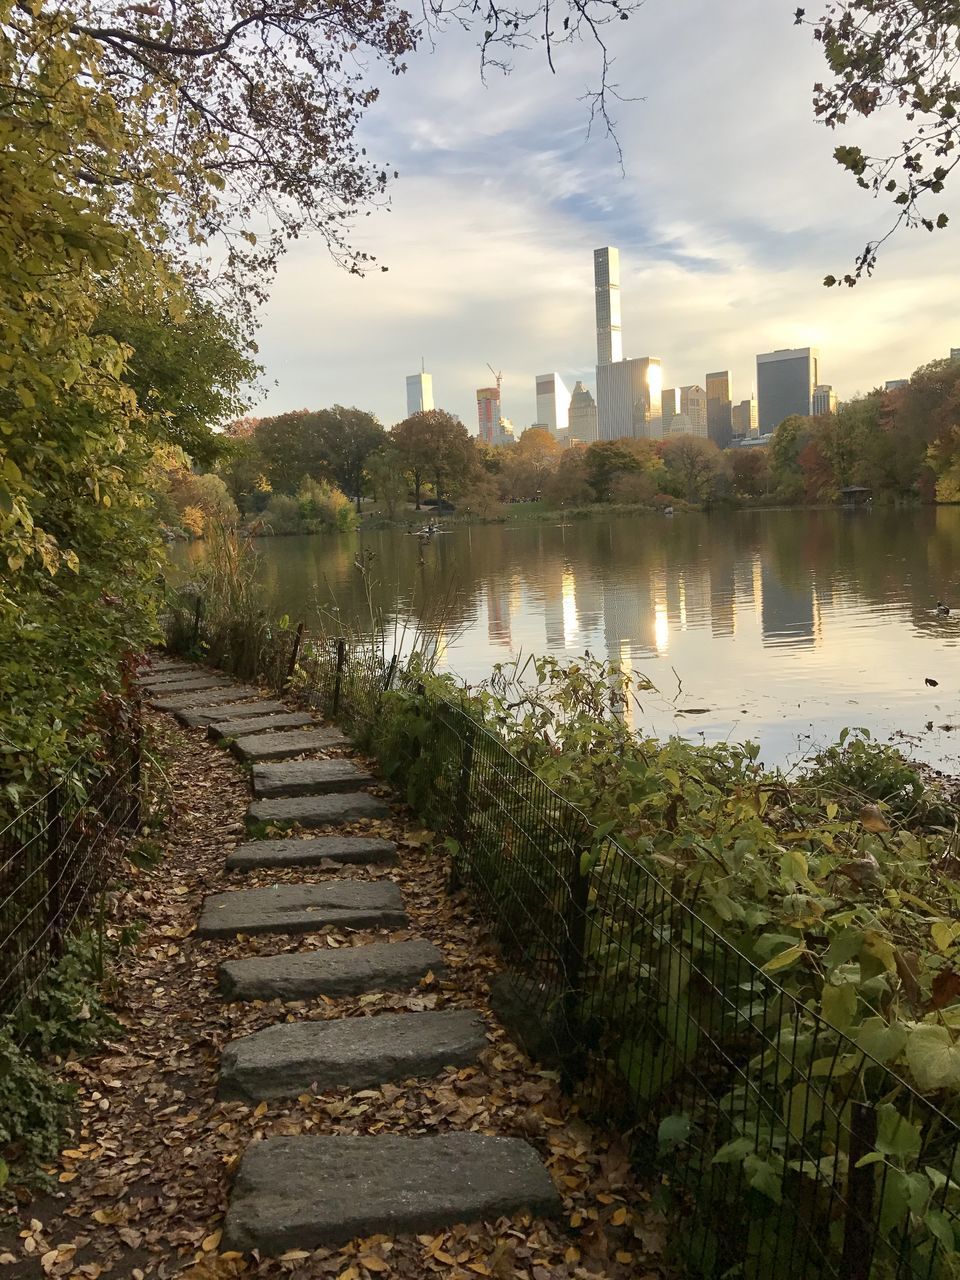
[780, 626]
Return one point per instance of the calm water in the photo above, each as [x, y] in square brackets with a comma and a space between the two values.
[782, 626]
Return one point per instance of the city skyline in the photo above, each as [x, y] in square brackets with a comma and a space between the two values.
[524, 199]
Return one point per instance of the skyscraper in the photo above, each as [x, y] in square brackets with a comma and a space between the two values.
[583, 416]
[419, 393]
[743, 419]
[553, 402]
[629, 399]
[693, 403]
[606, 283]
[670, 407]
[785, 383]
[824, 400]
[488, 413]
[719, 405]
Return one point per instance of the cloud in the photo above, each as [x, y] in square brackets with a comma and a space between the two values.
[730, 212]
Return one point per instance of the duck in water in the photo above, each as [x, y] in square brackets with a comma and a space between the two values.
[943, 609]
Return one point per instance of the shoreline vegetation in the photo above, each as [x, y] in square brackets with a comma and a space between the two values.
[332, 469]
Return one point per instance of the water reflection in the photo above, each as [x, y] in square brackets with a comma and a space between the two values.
[783, 624]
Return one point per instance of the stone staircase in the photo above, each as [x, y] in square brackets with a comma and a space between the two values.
[307, 1191]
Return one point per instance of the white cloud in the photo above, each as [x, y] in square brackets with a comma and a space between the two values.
[731, 212]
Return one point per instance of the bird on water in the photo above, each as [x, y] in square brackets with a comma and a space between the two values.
[942, 608]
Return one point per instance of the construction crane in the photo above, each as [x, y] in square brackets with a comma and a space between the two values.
[499, 378]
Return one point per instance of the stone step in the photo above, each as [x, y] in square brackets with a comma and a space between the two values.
[317, 811]
[156, 665]
[378, 966]
[195, 717]
[253, 854]
[281, 746]
[185, 684]
[305, 1192]
[258, 724]
[308, 778]
[197, 698]
[347, 1053]
[302, 908]
[154, 678]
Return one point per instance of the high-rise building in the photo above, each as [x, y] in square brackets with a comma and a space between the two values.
[719, 406]
[629, 399]
[419, 393]
[670, 407]
[606, 283]
[693, 403]
[895, 384]
[583, 416]
[955, 353]
[824, 400]
[488, 413]
[785, 383]
[743, 419]
[553, 402]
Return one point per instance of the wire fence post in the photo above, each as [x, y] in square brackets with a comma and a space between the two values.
[338, 681]
[135, 814]
[859, 1224]
[574, 952]
[461, 817]
[391, 670]
[56, 867]
[294, 656]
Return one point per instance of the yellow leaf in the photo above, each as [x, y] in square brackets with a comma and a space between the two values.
[572, 1254]
[293, 1255]
[211, 1241]
[785, 958]
[873, 820]
[619, 1218]
[67, 1177]
[260, 1110]
[480, 1268]
[373, 1263]
[623, 1256]
[444, 1257]
[945, 933]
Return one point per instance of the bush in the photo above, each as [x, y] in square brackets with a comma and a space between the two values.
[282, 515]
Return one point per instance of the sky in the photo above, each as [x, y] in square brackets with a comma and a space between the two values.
[729, 212]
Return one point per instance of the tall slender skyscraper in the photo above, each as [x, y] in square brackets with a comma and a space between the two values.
[606, 283]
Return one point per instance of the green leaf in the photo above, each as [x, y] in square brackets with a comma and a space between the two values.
[4, 1172]
[839, 1004]
[937, 1223]
[734, 1150]
[764, 1177]
[933, 1058]
[896, 1136]
[882, 1041]
[672, 1131]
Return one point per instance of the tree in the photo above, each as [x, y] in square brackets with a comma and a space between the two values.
[254, 108]
[386, 473]
[567, 484]
[789, 440]
[349, 437]
[188, 369]
[694, 463]
[606, 459]
[293, 445]
[749, 470]
[434, 443]
[894, 56]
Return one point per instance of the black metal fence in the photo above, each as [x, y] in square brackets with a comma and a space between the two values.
[786, 1148]
[55, 857]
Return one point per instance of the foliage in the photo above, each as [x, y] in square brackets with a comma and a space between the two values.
[692, 464]
[322, 506]
[34, 1110]
[69, 1014]
[188, 370]
[387, 479]
[898, 56]
[434, 445]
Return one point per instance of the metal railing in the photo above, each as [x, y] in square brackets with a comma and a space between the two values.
[788, 1150]
[55, 858]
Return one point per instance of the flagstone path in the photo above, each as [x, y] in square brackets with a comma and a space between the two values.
[301, 1192]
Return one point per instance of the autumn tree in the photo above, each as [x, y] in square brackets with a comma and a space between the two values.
[694, 463]
[749, 470]
[434, 445]
[293, 445]
[605, 460]
[897, 58]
